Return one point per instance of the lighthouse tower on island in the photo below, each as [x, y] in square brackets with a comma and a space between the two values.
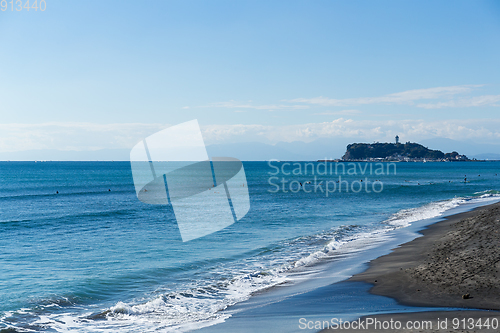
[397, 139]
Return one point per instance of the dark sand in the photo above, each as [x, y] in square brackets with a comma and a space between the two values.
[458, 256]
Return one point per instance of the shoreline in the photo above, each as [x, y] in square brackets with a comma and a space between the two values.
[321, 298]
[457, 256]
[455, 264]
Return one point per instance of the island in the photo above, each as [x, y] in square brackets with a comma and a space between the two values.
[398, 152]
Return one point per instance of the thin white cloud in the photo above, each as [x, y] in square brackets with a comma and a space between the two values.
[483, 130]
[405, 97]
[464, 102]
[451, 96]
[73, 135]
[339, 113]
[236, 105]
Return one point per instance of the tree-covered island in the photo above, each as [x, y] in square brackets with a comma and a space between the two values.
[410, 152]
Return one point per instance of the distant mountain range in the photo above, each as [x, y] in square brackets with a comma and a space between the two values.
[471, 149]
[324, 148]
[67, 155]
[283, 151]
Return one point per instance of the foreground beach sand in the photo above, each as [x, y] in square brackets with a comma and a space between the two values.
[456, 264]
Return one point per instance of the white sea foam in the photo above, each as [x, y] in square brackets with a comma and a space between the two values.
[401, 219]
[353, 243]
[170, 312]
[435, 209]
[405, 217]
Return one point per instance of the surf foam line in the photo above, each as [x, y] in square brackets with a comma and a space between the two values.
[171, 312]
[401, 219]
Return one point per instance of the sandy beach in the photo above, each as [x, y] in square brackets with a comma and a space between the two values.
[455, 264]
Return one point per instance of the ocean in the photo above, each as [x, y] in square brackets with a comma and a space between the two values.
[80, 253]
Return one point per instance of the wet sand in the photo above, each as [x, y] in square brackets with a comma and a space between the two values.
[456, 264]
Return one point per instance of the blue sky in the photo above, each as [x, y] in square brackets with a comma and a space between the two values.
[102, 74]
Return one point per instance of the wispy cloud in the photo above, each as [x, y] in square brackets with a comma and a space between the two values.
[73, 135]
[339, 113]
[464, 102]
[248, 105]
[428, 98]
[481, 130]
[410, 97]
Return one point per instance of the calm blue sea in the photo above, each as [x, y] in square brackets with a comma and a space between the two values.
[79, 251]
